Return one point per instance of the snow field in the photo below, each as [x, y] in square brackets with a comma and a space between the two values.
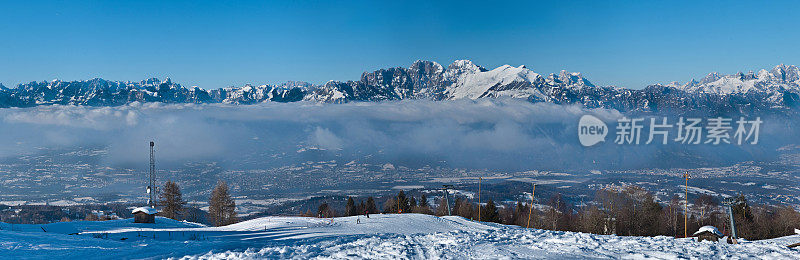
[382, 236]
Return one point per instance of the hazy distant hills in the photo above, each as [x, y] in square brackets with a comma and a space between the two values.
[775, 91]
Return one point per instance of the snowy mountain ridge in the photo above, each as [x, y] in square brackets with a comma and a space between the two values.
[773, 90]
[779, 79]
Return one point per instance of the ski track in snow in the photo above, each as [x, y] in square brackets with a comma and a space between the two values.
[511, 244]
[390, 236]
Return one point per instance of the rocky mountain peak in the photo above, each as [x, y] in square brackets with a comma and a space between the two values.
[465, 66]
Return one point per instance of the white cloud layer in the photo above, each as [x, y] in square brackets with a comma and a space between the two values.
[486, 133]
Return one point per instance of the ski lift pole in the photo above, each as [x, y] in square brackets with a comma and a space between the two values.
[733, 224]
[530, 208]
[446, 199]
[730, 202]
[479, 198]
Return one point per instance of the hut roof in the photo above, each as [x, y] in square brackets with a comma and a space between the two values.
[710, 229]
[146, 210]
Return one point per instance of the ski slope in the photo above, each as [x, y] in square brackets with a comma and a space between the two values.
[411, 236]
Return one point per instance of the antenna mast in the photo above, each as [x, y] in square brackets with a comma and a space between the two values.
[151, 189]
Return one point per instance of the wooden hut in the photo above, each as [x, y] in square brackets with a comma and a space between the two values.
[144, 215]
[709, 233]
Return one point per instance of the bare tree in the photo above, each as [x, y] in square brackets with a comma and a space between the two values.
[171, 201]
[221, 207]
[705, 205]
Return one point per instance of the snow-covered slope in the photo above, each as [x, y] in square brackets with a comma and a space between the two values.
[505, 80]
[95, 226]
[381, 236]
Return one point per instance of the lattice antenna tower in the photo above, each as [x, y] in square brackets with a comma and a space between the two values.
[151, 188]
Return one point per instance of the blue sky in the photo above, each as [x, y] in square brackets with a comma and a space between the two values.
[214, 44]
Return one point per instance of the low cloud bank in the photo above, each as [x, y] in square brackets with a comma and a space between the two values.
[488, 133]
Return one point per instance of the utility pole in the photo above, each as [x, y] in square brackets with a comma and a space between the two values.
[686, 206]
[530, 209]
[151, 189]
[479, 198]
[446, 199]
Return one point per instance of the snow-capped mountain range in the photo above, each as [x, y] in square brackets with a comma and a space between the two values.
[767, 90]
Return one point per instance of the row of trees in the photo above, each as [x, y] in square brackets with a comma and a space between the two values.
[407, 204]
[631, 211]
[398, 204]
[221, 206]
[351, 209]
